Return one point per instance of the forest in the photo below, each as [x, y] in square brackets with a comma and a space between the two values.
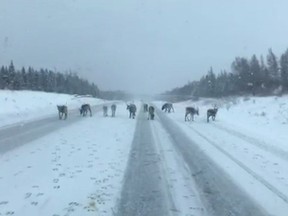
[252, 76]
[45, 80]
[247, 77]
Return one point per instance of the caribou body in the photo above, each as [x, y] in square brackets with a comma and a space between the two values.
[168, 107]
[62, 111]
[151, 111]
[190, 112]
[105, 111]
[132, 110]
[85, 108]
[212, 113]
[145, 106]
[113, 109]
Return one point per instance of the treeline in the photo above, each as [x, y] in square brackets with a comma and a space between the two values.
[45, 80]
[248, 76]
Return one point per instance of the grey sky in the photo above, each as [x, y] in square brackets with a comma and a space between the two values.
[146, 46]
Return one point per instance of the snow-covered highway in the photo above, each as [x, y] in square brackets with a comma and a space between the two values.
[119, 166]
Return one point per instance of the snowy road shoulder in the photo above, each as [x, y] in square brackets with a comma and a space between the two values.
[75, 171]
[26, 106]
[254, 164]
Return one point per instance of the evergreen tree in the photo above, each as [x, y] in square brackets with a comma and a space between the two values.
[284, 70]
[24, 78]
[45, 80]
[241, 69]
[18, 81]
[221, 88]
[11, 76]
[211, 83]
[4, 78]
[273, 68]
[256, 76]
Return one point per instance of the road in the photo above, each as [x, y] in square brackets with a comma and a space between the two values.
[146, 188]
[20, 134]
[221, 196]
[169, 174]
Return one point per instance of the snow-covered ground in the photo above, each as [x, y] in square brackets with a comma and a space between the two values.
[248, 140]
[24, 106]
[75, 170]
[79, 169]
[265, 118]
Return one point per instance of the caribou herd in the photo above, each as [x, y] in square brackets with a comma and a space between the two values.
[190, 111]
[84, 110]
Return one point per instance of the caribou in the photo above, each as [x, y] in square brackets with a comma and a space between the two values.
[190, 112]
[167, 107]
[145, 106]
[84, 110]
[132, 110]
[212, 113]
[151, 111]
[113, 109]
[105, 111]
[62, 111]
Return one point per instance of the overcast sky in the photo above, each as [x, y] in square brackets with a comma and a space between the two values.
[146, 46]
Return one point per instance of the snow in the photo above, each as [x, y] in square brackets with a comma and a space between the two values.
[79, 169]
[180, 182]
[248, 141]
[76, 170]
[23, 106]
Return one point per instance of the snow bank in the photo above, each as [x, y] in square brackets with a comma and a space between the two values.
[19, 106]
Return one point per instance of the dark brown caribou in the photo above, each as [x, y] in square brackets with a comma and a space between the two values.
[151, 111]
[168, 107]
[190, 112]
[212, 113]
[62, 111]
[84, 110]
[132, 110]
[105, 110]
[145, 106]
[113, 109]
